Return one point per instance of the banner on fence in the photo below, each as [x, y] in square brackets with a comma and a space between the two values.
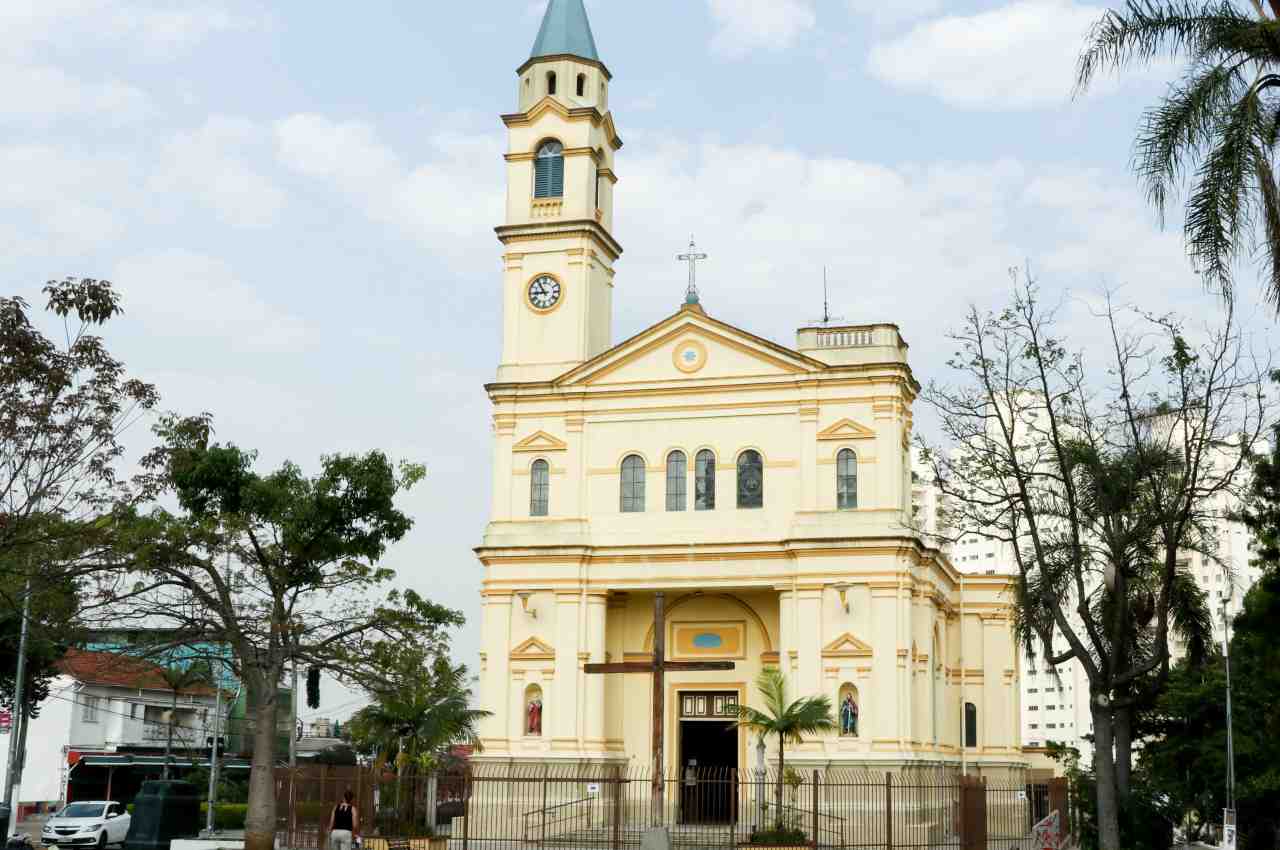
[1047, 834]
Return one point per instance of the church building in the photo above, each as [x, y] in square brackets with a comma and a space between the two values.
[764, 490]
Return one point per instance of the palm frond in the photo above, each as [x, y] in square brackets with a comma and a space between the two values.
[1189, 615]
[1269, 206]
[1218, 209]
[1146, 29]
[1176, 131]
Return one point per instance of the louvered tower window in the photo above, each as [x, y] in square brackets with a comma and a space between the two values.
[677, 481]
[551, 82]
[847, 480]
[539, 488]
[582, 85]
[548, 171]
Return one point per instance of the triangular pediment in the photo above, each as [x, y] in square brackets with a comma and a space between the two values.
[846, 429]
[540, 441]
[533, 649]
[689, 346]
[846, 646]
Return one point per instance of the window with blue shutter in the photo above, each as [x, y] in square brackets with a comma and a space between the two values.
[548, 171]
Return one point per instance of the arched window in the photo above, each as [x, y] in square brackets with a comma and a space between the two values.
[582, 85]
[548, 171]
[750, 480]
[633, 484]
[539, 488]
[677, 481]
[551, 82]
[704, 481]
[970, 725]
[846, 480]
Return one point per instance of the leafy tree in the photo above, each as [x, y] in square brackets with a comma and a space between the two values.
[790, 721]
[64, 403]
[279, 567]
[1217, 127]
[1185, 757]
[54, 605]
[1099, 483]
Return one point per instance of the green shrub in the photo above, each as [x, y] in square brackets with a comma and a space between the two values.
[779, 836]
[225, 815]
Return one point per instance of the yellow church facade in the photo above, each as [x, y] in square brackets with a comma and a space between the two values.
[763, 489]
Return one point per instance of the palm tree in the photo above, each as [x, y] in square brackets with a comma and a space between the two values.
[178, 679]
[789, 721]
[1217, 126]
[423, 719]
[415, 722]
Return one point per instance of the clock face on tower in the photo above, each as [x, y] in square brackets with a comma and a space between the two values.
[544, 292]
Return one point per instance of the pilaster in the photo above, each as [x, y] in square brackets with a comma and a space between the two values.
[504, 426]
[495, 669]
[564, 721]
[594, 685]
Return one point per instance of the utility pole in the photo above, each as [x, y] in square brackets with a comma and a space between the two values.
[964, 762]
[213, 749]
[18, 726]
[1229, 816]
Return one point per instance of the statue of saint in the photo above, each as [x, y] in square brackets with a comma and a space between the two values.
[534, 724]
[849, 716]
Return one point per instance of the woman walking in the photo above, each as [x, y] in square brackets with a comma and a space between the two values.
[344, 823]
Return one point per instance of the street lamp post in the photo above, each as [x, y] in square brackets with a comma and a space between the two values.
[1229, 816]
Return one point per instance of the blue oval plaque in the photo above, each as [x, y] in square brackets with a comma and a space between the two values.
[708, 640]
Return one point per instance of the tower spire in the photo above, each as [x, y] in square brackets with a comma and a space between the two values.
[565, 31]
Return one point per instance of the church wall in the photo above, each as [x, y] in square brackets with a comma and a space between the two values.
[575, 586]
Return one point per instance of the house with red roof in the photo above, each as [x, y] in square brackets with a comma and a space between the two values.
[104, 727]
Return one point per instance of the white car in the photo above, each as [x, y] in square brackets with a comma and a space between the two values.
[94, 823]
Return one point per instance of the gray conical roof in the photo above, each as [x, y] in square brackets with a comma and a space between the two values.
[565, 30]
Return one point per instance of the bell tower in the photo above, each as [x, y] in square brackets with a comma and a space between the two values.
[559, 250]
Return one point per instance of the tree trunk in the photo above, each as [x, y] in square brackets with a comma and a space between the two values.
[1124, 753]
[782, 773]
[260, 821]
[1104, 764]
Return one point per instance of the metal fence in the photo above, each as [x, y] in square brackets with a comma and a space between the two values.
[492, 807]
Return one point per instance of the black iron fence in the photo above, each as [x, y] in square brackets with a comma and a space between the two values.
[504, 807]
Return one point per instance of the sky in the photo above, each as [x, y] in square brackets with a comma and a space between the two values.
[296, 199]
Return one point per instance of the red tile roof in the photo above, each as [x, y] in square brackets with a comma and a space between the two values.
[120, 671]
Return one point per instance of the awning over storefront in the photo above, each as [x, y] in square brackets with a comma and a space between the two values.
[129, 760]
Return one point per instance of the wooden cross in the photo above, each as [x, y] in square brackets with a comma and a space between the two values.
[658, 667]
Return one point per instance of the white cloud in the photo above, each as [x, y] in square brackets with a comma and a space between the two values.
[1019, 56]
[40, 27]
[890, 13]
[747, 25]
[67, 203]
[42, 94]
[450, 202]
[184, 295]
[210, 165]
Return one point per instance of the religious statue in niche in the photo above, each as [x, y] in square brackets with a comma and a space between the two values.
[533, 712]
[848, 712]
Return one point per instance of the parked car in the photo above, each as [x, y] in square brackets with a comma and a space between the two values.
[96, 823]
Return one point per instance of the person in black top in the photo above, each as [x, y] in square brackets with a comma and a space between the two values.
[344, 823]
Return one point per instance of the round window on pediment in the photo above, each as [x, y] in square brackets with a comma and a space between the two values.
[689, 356]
